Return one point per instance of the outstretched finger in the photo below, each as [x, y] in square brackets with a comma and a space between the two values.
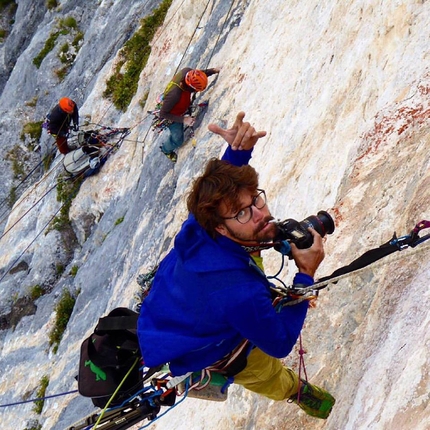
[214, 128]
[239, 120]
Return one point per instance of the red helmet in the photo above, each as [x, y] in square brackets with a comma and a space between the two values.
[196, 79]
[67, 105]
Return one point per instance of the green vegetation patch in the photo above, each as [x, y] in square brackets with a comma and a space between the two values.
[67, 190]
[36, 291]
[122, 85]
[34, 131]
[5, 3]
[17, 157]
[64, 26]
[47, 48]
[119, 221]
[63, 312]
[38, 404]
[51, 4]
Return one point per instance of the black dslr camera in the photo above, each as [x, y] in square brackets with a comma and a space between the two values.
[297, 232]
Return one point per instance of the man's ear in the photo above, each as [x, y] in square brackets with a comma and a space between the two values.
[221, 230]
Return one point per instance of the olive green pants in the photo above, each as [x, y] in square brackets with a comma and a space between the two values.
[267, 376]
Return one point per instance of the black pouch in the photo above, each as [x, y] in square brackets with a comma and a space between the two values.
[111, 357]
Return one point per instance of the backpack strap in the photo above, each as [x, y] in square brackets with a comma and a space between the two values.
[109, 323]
[118, 319]
[120, 325]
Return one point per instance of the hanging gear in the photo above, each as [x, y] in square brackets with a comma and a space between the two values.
[93, 149]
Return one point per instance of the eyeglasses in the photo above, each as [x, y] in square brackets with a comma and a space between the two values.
[245, 214]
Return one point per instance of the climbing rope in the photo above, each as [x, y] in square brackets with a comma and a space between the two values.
[192, 36]
[27, 211]
[219, 34]
[31, 243]
[38, 399]
[8, 212]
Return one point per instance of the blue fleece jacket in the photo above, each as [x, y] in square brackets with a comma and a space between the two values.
[207, 296]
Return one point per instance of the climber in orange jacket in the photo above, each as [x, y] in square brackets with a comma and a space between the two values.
[59, 120]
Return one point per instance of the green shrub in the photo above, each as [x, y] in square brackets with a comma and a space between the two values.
[61, 73]
[4, 3]
[36, 291]
[63, 312]
[67, 190]
[68, 22]
[59, 268]
[63, 27]
[38, 404]
[48, 47]
[17, 157]
[122, 86]
[13, 197]
[51, 4]
[33, 129]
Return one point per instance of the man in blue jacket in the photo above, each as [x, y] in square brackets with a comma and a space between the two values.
[210, 298]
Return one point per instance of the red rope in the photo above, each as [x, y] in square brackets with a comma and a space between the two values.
[302, 365]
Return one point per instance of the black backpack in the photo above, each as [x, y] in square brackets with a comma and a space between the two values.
[111, 357]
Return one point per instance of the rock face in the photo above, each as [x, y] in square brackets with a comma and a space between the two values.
[343, 92]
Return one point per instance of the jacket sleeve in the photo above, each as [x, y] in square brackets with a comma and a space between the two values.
[250, 312]
[75, 116]
[237, 157]
[209, 72]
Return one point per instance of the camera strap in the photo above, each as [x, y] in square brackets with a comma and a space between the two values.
[394, 244]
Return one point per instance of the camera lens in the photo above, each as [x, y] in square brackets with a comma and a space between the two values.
[323, 223]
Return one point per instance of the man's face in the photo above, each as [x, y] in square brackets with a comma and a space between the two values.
[251, 223]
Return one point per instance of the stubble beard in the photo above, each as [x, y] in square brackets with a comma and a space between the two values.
[257, 236]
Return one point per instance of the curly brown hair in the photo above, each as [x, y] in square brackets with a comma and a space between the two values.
[221, 183]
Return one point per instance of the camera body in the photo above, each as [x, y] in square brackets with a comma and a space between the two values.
[297, 232]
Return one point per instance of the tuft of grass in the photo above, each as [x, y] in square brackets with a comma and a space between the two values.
[36, 291]
[32, 102]
[13, 197]
[119, 221]
[63, 312]
[74, 271]
[33, 129]
[122, 86]
[61, 73]
[68, 23]
[18, 158]
[51, 4]
[47, 48]
[64, 27]
[38, 404]
[66, 192]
